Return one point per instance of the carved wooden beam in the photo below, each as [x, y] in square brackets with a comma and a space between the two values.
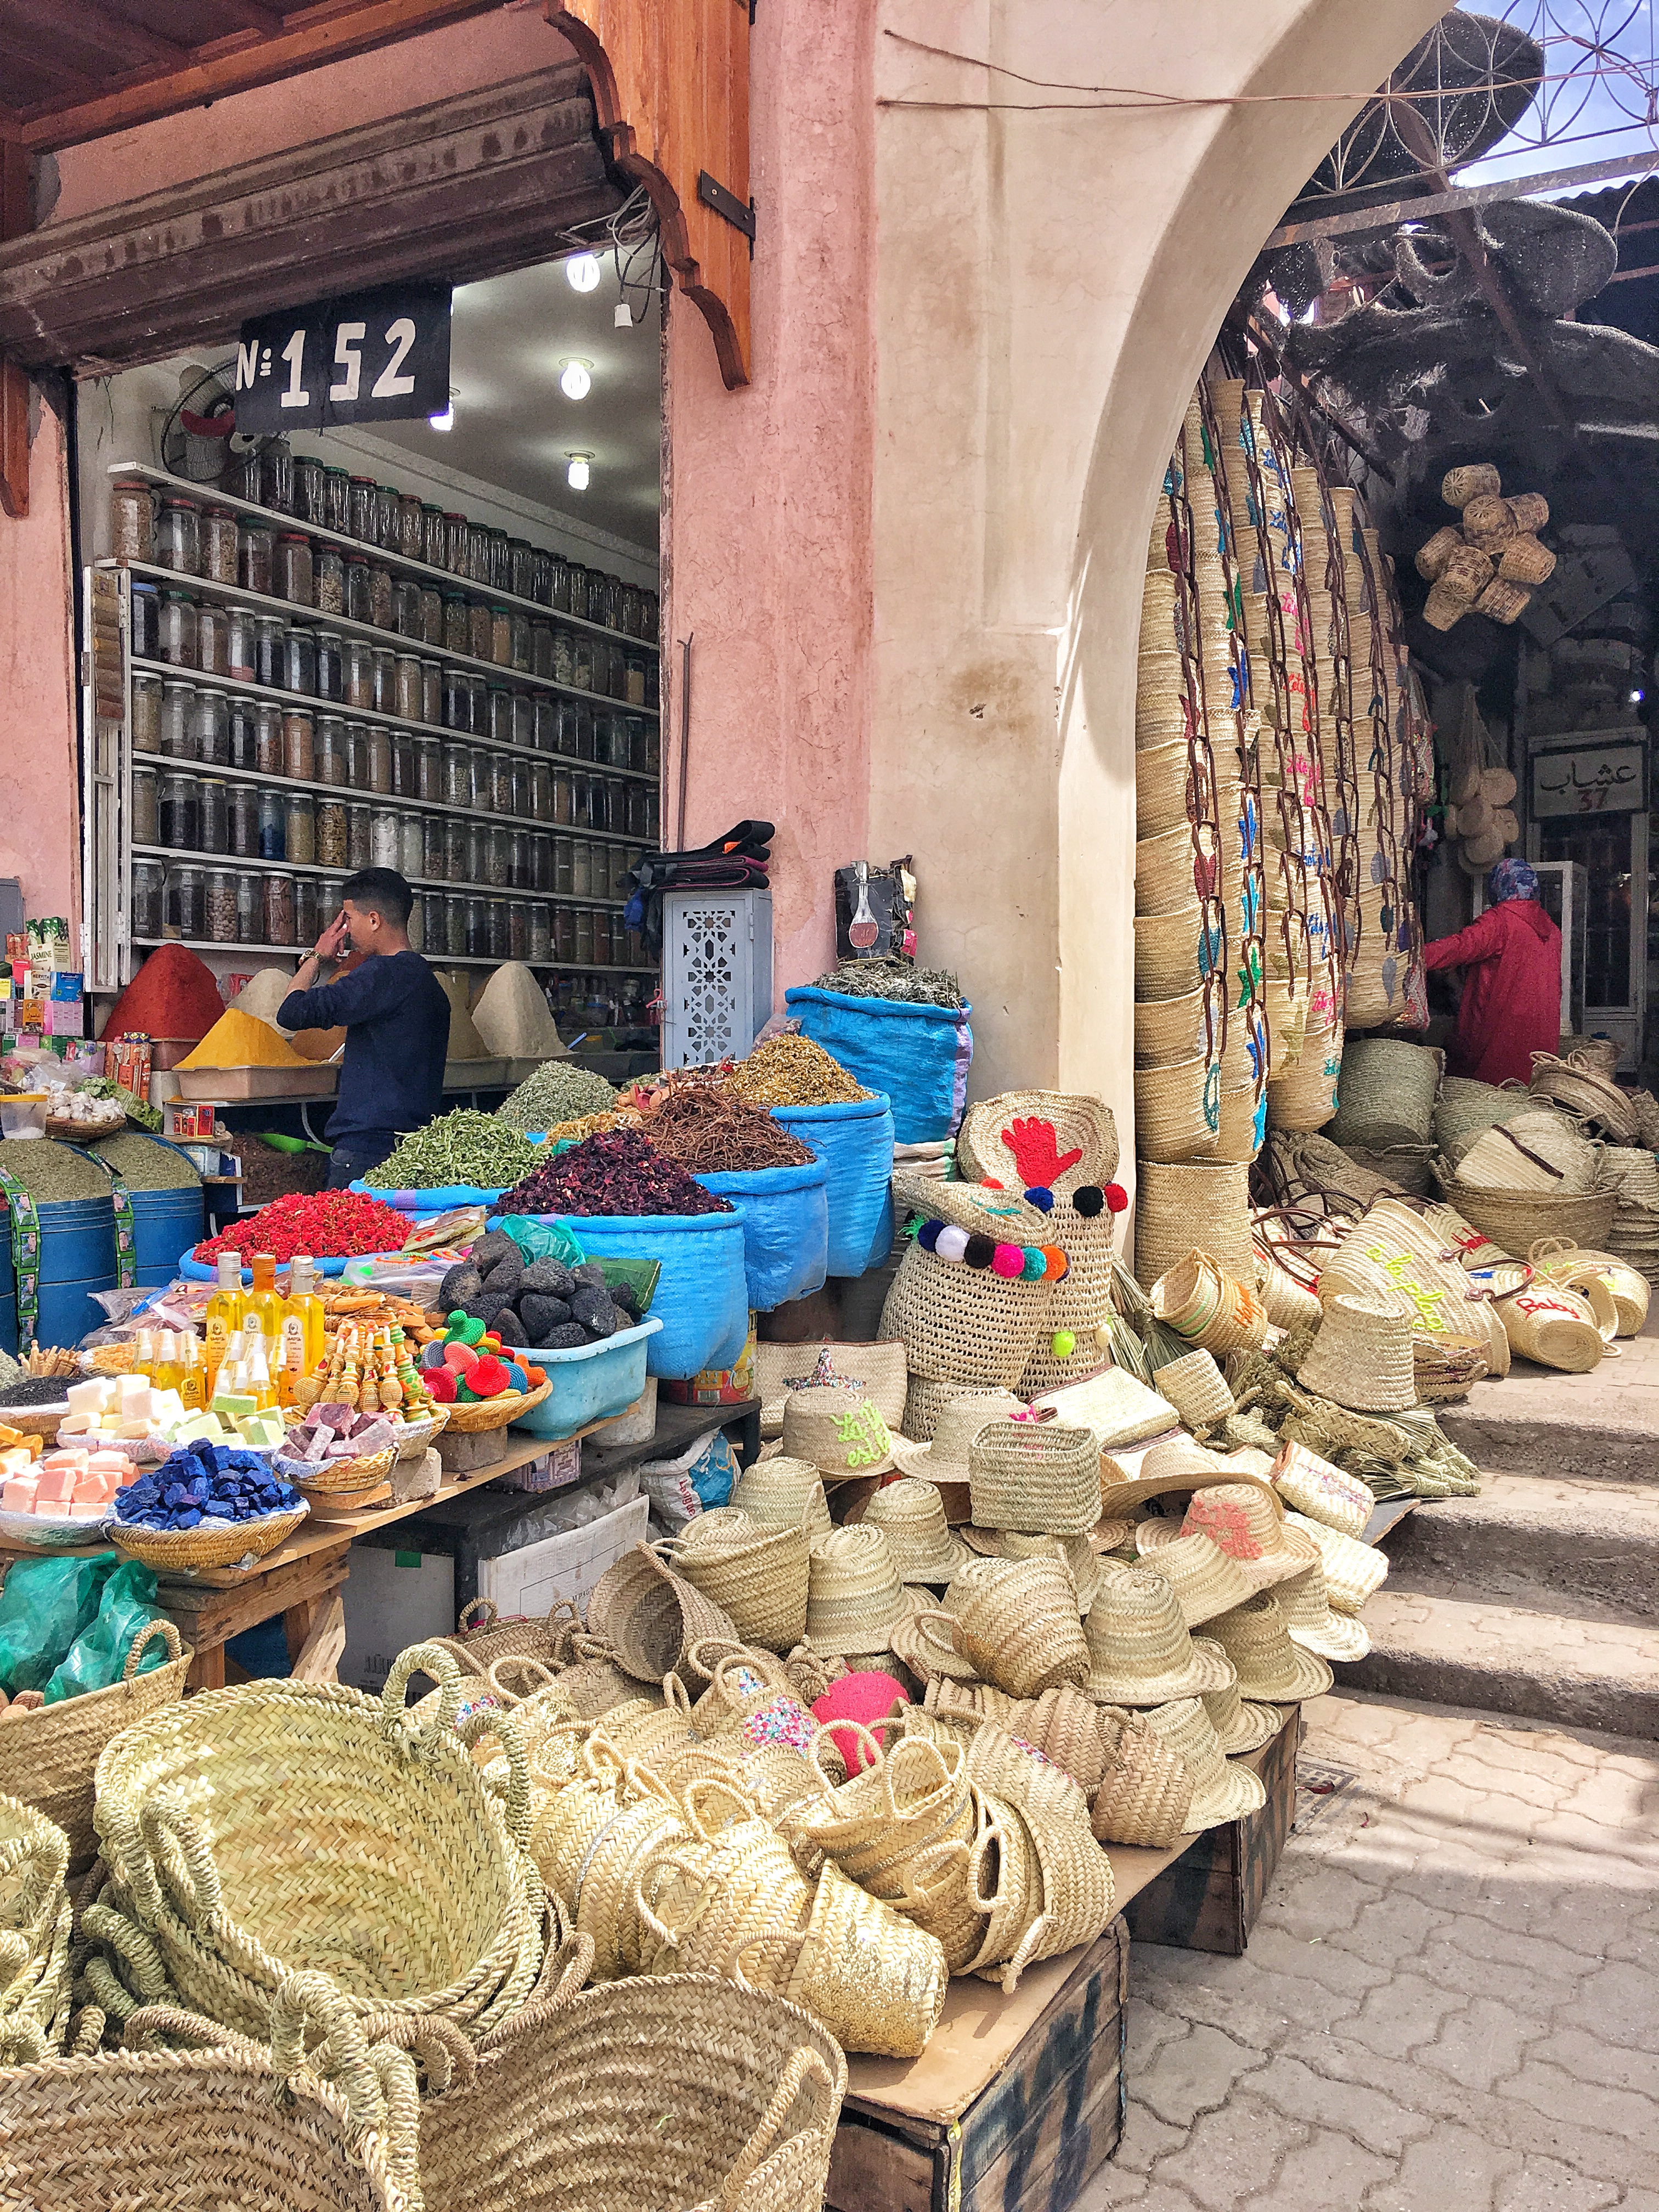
[14, 384]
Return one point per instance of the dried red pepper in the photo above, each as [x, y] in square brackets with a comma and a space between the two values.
[332, 1224]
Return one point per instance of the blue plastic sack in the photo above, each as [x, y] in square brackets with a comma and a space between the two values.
[702, 1296]
[918, 1056]
[786, 1229]
[441, 1200]
[855, 1143]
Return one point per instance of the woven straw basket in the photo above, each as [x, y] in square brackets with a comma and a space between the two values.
[1514, 1220]
[1178, 1109]
[1195, 1386]
[964, 1324]
[1164, 872]
[1019, 1630]
[757, 1575]
[1080, 1302]
[879, 1370]
[214, 1544]
[1565, 1263]
[651, 1618]
[1580, 1087]
[1144, 1791]
[47, 1757]
[1180, 1205]
[1169, 1032]
[1043, 1477]
[1305, 1096]
[1209, 1308]
[35, 1934]
[414, 1894]
[990, 1140]
[1553, 1325]
[1176, 950]
[1164, 791]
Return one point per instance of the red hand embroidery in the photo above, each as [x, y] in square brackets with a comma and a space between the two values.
[1037, 1154]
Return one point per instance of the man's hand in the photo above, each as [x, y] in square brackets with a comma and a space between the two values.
[330, 944]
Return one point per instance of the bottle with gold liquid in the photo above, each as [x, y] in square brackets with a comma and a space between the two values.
[192, 1385]
[164, 1367]
[304, 1302]
[259, 1383]
[265, 1303]
[224, 1315]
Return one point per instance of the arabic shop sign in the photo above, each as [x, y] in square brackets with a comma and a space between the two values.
[1602, 779]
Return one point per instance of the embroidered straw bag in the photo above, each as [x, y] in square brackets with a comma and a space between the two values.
[878, 1370]
[967, 1324]
[1043, 1477]
[1209, 1307]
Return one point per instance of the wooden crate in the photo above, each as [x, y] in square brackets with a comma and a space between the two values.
[1014, 2104]
[1207, 1900]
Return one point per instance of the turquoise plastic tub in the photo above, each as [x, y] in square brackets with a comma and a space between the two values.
[591, 1383]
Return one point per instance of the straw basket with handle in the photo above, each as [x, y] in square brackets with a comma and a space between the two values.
[35, 1917]
[963, 1323]
[650, 1619]
[1590, 1272]
[48, 1756]
[1181, 1205]
[1582, 1088]
[1514, 1220]
[1553, 1325]
[755, 1575]
[1209, 1308]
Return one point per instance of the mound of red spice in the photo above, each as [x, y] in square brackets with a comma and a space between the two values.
[333, 1225]
[615, 1172]
[173, 995]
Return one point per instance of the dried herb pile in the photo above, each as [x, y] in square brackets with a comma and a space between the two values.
[793, 1071]
[616, 1172]
[463, 1147]
[558, 1091]
[896, 979]
[709, 1133]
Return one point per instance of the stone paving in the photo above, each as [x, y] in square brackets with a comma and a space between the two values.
[1450, 2001]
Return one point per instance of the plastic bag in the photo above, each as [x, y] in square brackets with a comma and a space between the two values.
[541, 1240]
[95, 1659]
[44, 1605]
[697, 1478]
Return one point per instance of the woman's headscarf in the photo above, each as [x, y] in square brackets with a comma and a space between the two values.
[1511, 879]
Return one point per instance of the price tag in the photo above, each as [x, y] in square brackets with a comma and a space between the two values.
[378, 357]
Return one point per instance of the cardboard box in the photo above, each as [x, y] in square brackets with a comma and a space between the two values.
[392, 1600]
[534, 1580]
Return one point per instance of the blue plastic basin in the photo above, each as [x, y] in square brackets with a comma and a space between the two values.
[591, 1383]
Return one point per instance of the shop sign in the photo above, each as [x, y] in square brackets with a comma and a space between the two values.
[1601, 779]
[378, 357]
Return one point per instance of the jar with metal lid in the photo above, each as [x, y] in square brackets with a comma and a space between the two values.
[240, 635]
[178, 810]
[501, 562]
[602, 954]
[380, 596]
[331, 666]
[455, 852]
[307, 914]
[218, 542]
[541, 648]
[405, 607]
[583, 674]
[213, 638]
[378, 762]
[131, 523]
[454, 926]
[581, 868]
[457, 775]
[431, 631]
[634, 689]
[498, 725]
[521, 560]
[613, 590]
[518, 788]
[184, 911]
[500, 637]
[433, 551]
[293, 577]
[538, 791]
[239, 717]
[256, 543]
[578, 601]
[267, 738]
[387, 521]
[541, 932]
[518, 626]
[336, 499]
[403, 764]
[498, 856]
[582, 952]
[299, 828]
[359, 588]
[178, 536]
[457, 541]
[518, 866]
[329, 568]
[562, 798]
[415, 926]
[250, 921]
[517, 930]
[477, 706]
[433, 913]
[213, 797]
[386, 839]
[359, 837]
[432, 691]
[558, 583]
[356, 757]
[308, 489]
[300, 656]
[434, 866]
[564, 938]
[541, 577]
[541, 861]
[478, 554]
[178, 721]
[583, 719]
[358, 655]
[386, 681]
[210, 726]
[429, 769]
[244, 824]
[146, 807]
[146, 611]
[177, 643]
[270, 652]
[407, 687]
[248, 475]
[456, 632]
[565, 654]
[333, 849]
[411, 533]
[146, 715]
[149, 888]
[564, 867]
[299, 749]
[478, 853]
[477, 927]
[276, 901]
[411, 846]
[479, 628]
[501, 939]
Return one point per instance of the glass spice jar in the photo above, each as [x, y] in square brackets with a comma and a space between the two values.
[517, 930]
[363, 509]
[518, 866]
[185, 913]
[411, 846]
[583, 950]
[558, 583]
[457, 701]
[477, 553]
[149, 890]
[541, 649]
[387, 523]
[518, 788]
[249, 477]
[415, 926]
[428, 770]
[456, 542]
[498, 855]
[411, 532]
[336, 500]
[357, 756]
[498, 716]
[359, 589]
[521, 558]
[479, 630]
[403, 764]
[633, 690]
[564, 934]
[178, 722]
[432, 537]
[541, 577]
[299, 750]
[329, 571]
[455, 926]
[300, 661]
[432, 848]
[212, 796]
[332, 847]
[256, 546]
[405, 607]
[500, 936]
[131, 522]
[146, 807]
[582, 662]
[380, 763]
[276, 901]
[432, 691]
[307, 918]
[179, 538]
[359, 837]
[146, 614]
[294, 577]
[239, 715]
[380, 596]
[218, 541]
[478, 701]
[241, 659]
[431, 631]
[178, 808]
[308, 489]
[538, 802]
[500, 637]
[359, 657]
[585, 749]
[565, 654]
[651, 674]
[581, 868]
[386, 682]
[249, 917]
[541, 933]
[457, 775]
[299, 828]
[454, 868]
[177, 643]
[519, 642]
[456, 632]
[564, 866]
[602, 949]
[541, 861]
[243, 825]
[210, 723]
[331, 666]
[478, 929]
[213, 638]
[407, 691]
[545, 725]
[385, 845]
[478, 853]
[562, 796]
[267, 738]
[147, 713]
[434, 911]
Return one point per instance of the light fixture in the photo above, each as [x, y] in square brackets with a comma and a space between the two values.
[623, 317]
[577, 475]
[575, 378]
[446, 421]
[583, 272]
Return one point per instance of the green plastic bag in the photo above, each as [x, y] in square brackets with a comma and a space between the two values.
[98, 1655]
[541, 1239]
[44, 1605]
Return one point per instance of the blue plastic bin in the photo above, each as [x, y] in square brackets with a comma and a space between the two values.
[77, 1257]
[786, 1229]
[702, 1296]
[855, 1143]
[162, 1220]
[918, 1056]
[592, 1382]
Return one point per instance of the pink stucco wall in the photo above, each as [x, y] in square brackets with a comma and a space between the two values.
[767, 544]
[39, 825]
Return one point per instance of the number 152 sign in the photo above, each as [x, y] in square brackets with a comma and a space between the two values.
[379, 356]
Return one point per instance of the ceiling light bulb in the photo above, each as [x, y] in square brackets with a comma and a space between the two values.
[583, 272]
[577, 475]
[575, 380]
[446, 421]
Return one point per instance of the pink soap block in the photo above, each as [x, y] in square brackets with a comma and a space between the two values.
[94, 1487]
[19, 1494]
[68, 1456]
[107, 1462]
[86, 1509]
[55, 1484]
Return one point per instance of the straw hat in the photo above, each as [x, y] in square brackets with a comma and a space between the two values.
[1242, 1725]
[1362, 1356]
[1243, 1519]
[1325, 1493]
[1352, 1571]
[1269, 1665]
[853, 1594]
[1206, 1579]
[1306, 1605]
[783, 1494]
[1140, 1651]
[1221, 1792]
[910, 1514]
[840, 1432]
[1081, 1553]
[946, 1459]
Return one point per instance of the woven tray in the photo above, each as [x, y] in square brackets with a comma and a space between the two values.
[489, 1413]
[213, 1544]
[83, 1132]
[335, 1478]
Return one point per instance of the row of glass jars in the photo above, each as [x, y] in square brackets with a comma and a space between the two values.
[193, 537]
[203, 726]
[188, 632]
[221, 906]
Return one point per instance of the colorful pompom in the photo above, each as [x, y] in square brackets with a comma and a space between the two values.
[1009, 1261]
[1041, 1197]
[979, 1251]
[1063, 1344]
[1054, 1262]
[1116, 1197]
[951, 1242]
[1089, 1199]
[928, 1234]
[1035, 1266]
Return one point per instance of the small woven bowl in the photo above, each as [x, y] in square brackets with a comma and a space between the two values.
[488, 1413]
[413, 1437]
[213, 1544]
[332, 1478]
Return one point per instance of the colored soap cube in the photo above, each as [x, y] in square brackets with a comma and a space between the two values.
[19, 1494]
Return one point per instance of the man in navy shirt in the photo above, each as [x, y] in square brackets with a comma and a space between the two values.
[396, 1019]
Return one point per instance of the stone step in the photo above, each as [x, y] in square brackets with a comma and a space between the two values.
[1592, 1540]
[1601, 1427]
[1538, 1653]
